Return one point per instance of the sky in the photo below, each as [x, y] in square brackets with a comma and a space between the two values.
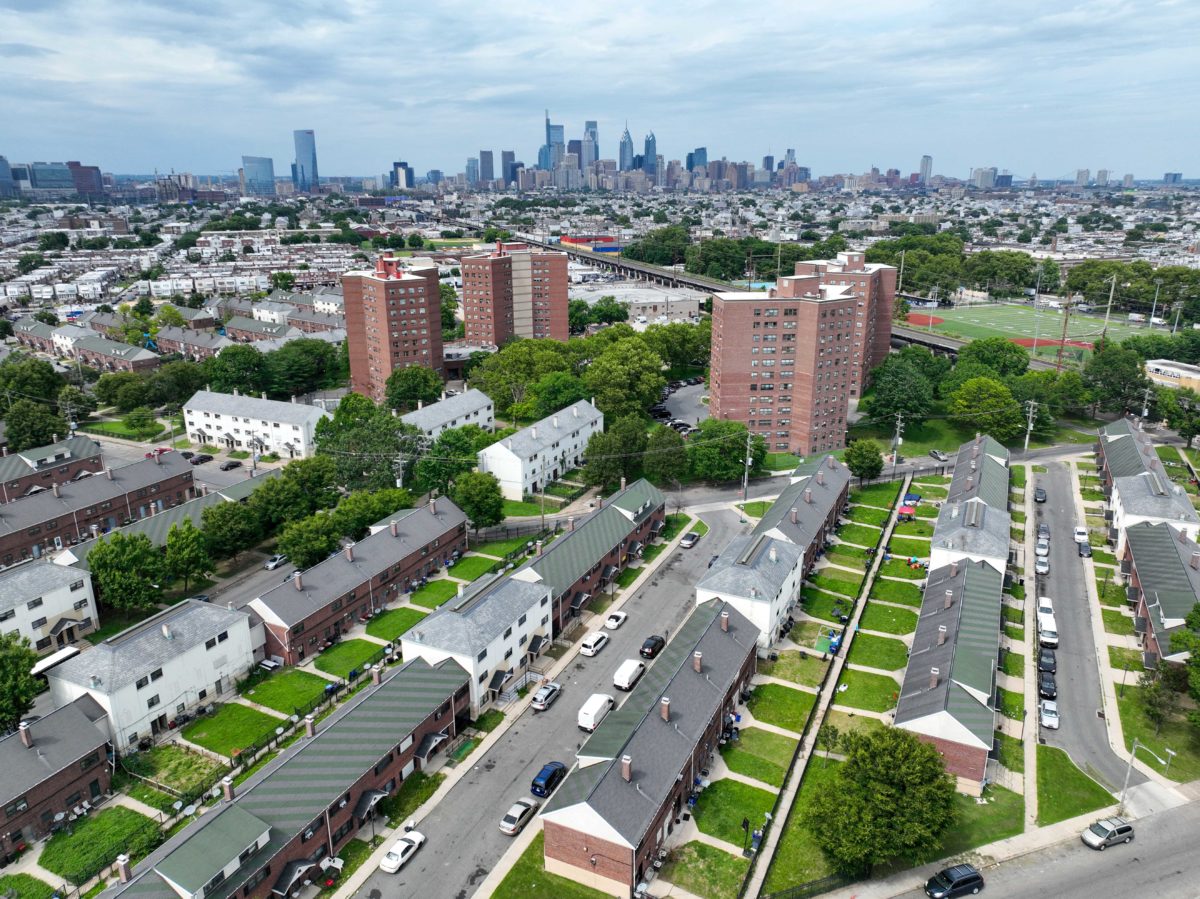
[1031, 87]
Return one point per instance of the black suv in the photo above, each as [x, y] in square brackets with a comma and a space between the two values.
[1046, 661]
[957, 880]
[1085, 550]
[652, 646]
[1047, 688]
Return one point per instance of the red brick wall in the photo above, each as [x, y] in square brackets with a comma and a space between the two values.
[53, 795]
[578, 849]
[967, 762]
[61, 474]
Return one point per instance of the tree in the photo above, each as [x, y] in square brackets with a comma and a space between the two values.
[370, 449]
[74, 404]
[999, 354]
[507, 376]
[603, 466]
[108, 387]
[608, 310]
[555, 391]
[579, 316]
[357, 512]
[665, 458]
[718, 452]
[230, 529]
[285, 281]
[309, 540]
[416, 241]
[18, 686]
[170, 317]
[128, 570]
[316, 477]
[6, 329]
[277, 502]
[1116, 378]
[984, 404]
[408, 387]
[864, 458]
[1180, 409]
[662, 246]
[175, 383]
[899, 387]
[450, 455]
[239, 366]
[140, 420]
[187, 553]
[478, 494]
[31, 424]
[1158, 701]
[828, 738]
[891, 799]
[625, 379]
[46, 317]
[22, 377]
[300, 366]
[27, 262]
[143, 308]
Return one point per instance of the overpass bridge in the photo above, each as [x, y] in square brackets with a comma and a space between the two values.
[946, 346]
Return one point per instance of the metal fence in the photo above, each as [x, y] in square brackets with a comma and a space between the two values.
[810, 888]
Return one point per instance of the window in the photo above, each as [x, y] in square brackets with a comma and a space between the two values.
[210, 643]
[89, 761]
[15, 808]
[34, 603]
[7, 614]
[142, 681]
[78, 585]
[38, 622]
[221, 638]
[482, 655]
[152, 701]
[156, 674]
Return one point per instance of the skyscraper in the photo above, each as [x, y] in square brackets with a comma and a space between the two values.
[552, 152]
[472, 171]
[590, 132]
[790, 157]
[507, 158]
[926, 169]
[258, 174]
[8, 187]
[1102, 178]
[700, 158]
[1082, 176]
[650, 157]
[769, 163]
[305, 178]
[402, 176]
[575, 148]
[625, 160]
[487, 171]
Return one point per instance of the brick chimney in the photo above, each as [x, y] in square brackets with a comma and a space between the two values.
[941, 634]
[377, 674]
[697, 658]
[124, 869]
[310, 726]
[570, 522]
[622, 482]
[949, 599]
[664, 708]
[539, 547]
[795, 515]
[725, 622]
[348, 552]
[54, 487]
[832, 461]
[954, 569]
[627, 768]
[108, 473]
[1196, 560]
[821, 478]
[808, 495]
[298, 580]
[227, 788]
[26, 736]
[433, 505]
[933, 678]
[395, 528]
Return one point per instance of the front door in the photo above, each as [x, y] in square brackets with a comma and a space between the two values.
[94, 788]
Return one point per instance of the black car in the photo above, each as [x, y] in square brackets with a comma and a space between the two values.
[1085, 550]
[652, 646]
[230, 464]
[200, 459]
[1047, 688]
[187, 454]
[1039, 495]
[957, 880]
[1046, 661]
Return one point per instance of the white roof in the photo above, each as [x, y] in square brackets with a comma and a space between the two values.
[254, 407]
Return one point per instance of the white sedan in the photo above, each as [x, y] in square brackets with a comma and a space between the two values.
[1049, 715]
[402, 850]
[615, 620]
[1081, 535]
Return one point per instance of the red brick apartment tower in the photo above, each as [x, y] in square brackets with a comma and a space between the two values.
[393, 320]
[781, 364]
[514, 292]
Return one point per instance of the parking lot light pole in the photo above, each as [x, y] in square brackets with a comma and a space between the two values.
[1138, 744]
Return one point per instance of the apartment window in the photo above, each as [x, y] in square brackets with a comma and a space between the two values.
[156, 674]
[142, 681]
[82, 604]
[221, 638]
[16, 807]
[89, 761]
[38, 622]
[152, 701]
[7, 614]
[78, 585]
[482, 655]
[210, 643]
[34, 603]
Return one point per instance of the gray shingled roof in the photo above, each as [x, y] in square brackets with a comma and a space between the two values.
[974, 528]
[746, 569]
[452, 408]
[826, 482]
[18, 464]
[20, 583]
[470, 623]
[34, 328]
[254, 407]
[106, 347]
[140, 649]
[73, 332]
[524, 443]
[192, 337]
[244, 323]
[1152, 495]
[966, 660]
[1167, 579]
[60, 738]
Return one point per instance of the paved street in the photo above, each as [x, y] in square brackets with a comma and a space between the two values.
[685, 403]
[117, 453]
[464, 842]
[1082, 733]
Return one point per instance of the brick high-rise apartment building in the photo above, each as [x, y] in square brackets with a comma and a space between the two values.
[514, 292]
[787, 363]
[393, 320]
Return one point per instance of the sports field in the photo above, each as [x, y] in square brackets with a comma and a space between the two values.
[1021, 324]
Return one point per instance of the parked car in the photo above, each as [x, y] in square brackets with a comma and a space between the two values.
[1043, 546]
[548, 778]
[518, 815]
[1047, 686]
[1106, 832]
[1085, 550]
[939, 455]
[593, 643]
[1039, 495]
[200, 597]
[187, 454]
[402, 850]
[615, 620]
[1043, 531]
[200, 459]
[545, 696]
[689, 539]
[652, 646]
[1081, 535]
[1047, 661]
[1045, 605]
[1049, 714]
[275, 561]
[1042, 566]
[957, 880]
[230, 464]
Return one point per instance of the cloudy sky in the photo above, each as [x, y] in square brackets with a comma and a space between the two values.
[1043, 87]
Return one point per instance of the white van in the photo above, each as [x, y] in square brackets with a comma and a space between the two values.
[628, 674]
[594, 711]
[1047, 630]
[1045, 605]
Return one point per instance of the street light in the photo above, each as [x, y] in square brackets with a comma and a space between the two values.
[1138, 744]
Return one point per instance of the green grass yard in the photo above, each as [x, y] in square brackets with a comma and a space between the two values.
[859, 534]
[819, 604]
[901, 568]
[865, 690]
[528, 879]
[415, 790]
[721, 807]
[182, 769]
[798, 859]
[781, 706]
[1020, 321]
[517, 509]
[760, 754]
[780, 462]
[391, 624]
[25, 887]
[756, 509]
[837, 581]
[287, 691]
[901, 592]
[703, 870]
[790, 666]
[909, 547]
[883, 653]
[1012, 753]
[880, 495]
[349, 655]
[1063, 790]
[95, 842]
[914, 529]
[434, 593]
[468, 568]
[848, 557]
[846, 721]
[1120, 658]
[1116, 622]
[1014, 664]
[888, 619]
[1175, 734]
[231, 728]
[869, 515]
[1012, 703]
[1000, 816]
[501, 548]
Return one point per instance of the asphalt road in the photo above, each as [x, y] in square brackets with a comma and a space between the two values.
[464, 842]
[1161, 863]
[117, 453]
[1082, 733]
[685, 403]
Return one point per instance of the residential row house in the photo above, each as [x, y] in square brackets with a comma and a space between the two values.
[471, 407]
[51, 606]
[240, 422]
[974, 522]
[34, 470]
[1161, 564]
[543, 452]
[193, 345]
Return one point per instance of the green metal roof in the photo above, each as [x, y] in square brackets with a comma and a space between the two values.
[1171, 586]
[191, 865]
[979, 626]
[989, 480]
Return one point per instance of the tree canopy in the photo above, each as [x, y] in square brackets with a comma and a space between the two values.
[18, 686]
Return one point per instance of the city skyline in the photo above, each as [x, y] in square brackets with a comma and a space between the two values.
[967, 92]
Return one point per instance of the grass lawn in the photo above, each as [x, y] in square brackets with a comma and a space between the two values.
[468, 568]
[1091, 496]
[96, 842]
[142, 792]
[528, 879]
[1012, 614]
[848, 557]
[488, 721]
[760, 754]
[859, 534]
[518, 509]
[1112, 594]
[1117, 623]
[914, 529]
[931, 479]
[864, 690]
[702, 870]
[836, 581]
[806, 633]
[896, 591]
[869, 515]
[676, 522]
[931, 492]
[1017, 475]
[881, 495]
[780, 461]
[25, 887]
[901, 568]
[820, 604]
[501, 548]
[341, 658]
[414, 791]
[792, 667]
[1018, 517]
[1175, 733]
[781, 706]
[1012, 703]
[756, 509]
[1103, 557]
[976, 824]
[1012, 753]
[721, 807]
[853, 578]
[699, 527]
[909, 547]
[394, 622]
[233, 727]
[1063, 790]
[1120, 657]
[846, 721]
[888, 619]
[185, 770]
[288, 690]
[883, 653]
[434, 593]
[1014, 664]
[1013, 632]
[798, 859]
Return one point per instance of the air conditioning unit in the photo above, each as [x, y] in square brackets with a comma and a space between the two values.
[308, 834]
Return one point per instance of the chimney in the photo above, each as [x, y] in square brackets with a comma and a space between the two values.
[575, 410]
[462, 589]
[433, 505]
[949, 599]
[420, 404]
[264, 394]
[554, 421]
[539, 547]
[664, 708]
[832, 462]
[970, 482]
[1196, 560]
[298, 580]
[1182, 535]
[166, 631]
[26, 736]
[821, 478]
[622, 482]
[235, 392]
[124, 869]
[348, 552]
[570, 522]
[377, 674]
[941, 634]
[725, 622]
[310, 726]
[158, 458]
[627, 768]
[533, 432]
[772, 555]
[54, 487]
[795, 516]
[108, 473]
[395, 528]
[697, 658]
[933, 678]
[293, 398]
[808, 495]
[227, 788]
[954, 569]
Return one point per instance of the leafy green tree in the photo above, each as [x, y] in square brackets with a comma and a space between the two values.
[128, 569]
[140, 420]
[666, 455]
[239, 366]
[891, 800]
[999, 354]
[52, 241]
[416, 241]
[277, 502]
[934, 368]
[478, 494]
[23, 377]
[662, 246]
[986, 405]
[75, 404]
[285, 281]
[143, 308]
[6, 329]
[31, 424]
[369, 447]
[175, 383]
[18, 687]
[555, 391]
[300, 366]
[46, 317]
[449, 456]
[900, 387]
[1180, 409]
[625, 379]
[608, 310]
[108, 387]
[1158, 701]
[28, 262]
[677, 344]
[507, 376]
[187, 553]
[718, 452]
[603, 465]
[316, 477]
[134, 394]
[170, 317]
[309, 540]
[1116, 379]
[356, 513]
[230, 529]
[963, 372]
[406, 387]
[864, 458]
[579, 316]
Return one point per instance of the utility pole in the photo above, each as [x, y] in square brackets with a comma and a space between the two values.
[1146, 402]
[1178, 309]
[1037, 320]
[1154, 308]
[900, 282]
[1062, 344]
[896, 442]
[1108, 311]
[1031, 405]
[746, 469]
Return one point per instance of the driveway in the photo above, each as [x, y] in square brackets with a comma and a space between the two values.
[117, 453]
[1082, 732]
[464, 841]
[685, 403]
